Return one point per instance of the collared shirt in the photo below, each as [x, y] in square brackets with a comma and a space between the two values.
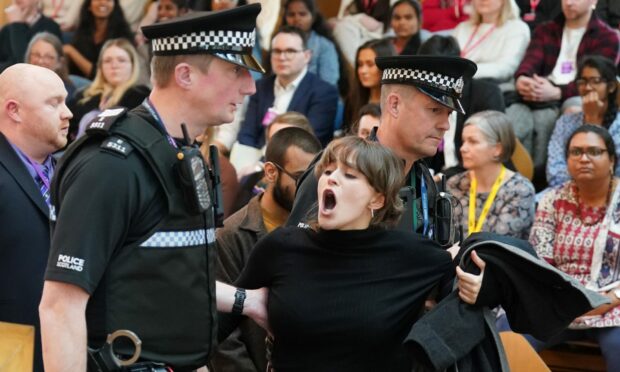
[284, 95]
[49, 163]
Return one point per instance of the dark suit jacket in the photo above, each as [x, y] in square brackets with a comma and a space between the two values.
[24, 244]
[313, 97]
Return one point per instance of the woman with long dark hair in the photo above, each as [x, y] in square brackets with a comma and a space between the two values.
[598, 88]
[327, 61]
[366, 85]
[100, 20]
[406, 22]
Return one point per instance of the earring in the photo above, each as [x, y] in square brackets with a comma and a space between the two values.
[372, 213]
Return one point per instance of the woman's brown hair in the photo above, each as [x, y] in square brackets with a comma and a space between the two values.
[382, 169]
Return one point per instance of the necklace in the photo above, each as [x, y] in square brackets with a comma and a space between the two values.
[587, 220]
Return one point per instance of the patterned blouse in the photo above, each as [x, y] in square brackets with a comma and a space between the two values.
[564, 234]
[511, 213]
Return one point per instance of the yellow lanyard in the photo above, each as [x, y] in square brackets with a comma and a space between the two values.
[472, 225]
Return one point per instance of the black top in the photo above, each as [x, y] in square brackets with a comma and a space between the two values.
[344, 300]
[130, 99]
[14, 38]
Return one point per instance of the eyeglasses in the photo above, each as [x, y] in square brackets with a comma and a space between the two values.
[592, 81]
[591, 152]
[294, 177]
[286, 53]
[43, 57]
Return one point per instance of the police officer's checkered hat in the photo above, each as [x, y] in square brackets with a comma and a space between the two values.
[441, 78]
[227, 34]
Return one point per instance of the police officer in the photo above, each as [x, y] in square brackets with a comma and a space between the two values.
[132, 215]
[418, 94]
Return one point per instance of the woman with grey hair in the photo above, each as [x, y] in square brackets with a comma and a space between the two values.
[45, 50]
[492, 198]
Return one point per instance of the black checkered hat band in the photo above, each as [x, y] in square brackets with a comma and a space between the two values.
[206, 40]
[435, 80]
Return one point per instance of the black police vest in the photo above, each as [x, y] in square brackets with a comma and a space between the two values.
[161, 287]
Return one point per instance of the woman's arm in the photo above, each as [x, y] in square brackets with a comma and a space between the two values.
[85, 66]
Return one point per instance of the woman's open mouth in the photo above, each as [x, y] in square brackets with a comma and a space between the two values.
[329, 200]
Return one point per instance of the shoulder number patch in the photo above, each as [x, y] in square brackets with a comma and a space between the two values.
[117, 145]
[105, 119]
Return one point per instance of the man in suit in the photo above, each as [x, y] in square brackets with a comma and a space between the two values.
[291, 88]
[34, 121]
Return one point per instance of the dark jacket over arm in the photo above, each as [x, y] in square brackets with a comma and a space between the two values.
[538, 299]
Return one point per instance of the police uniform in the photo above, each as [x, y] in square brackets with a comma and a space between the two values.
[427, 209]
[124, 228]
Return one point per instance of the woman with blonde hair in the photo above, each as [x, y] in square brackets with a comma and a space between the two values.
[115, 84]
[494, 37]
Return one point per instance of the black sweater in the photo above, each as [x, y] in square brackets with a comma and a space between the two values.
[343, 300]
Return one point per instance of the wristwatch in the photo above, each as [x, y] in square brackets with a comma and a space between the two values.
[240, 295]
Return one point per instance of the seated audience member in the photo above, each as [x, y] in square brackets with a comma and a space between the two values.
[478, 95]
[340, 314]
[366, 85]
[288, 154]
[609, 11]
[545, 77]
[114, 85]
[251, 177]
[65, 13]
[358, 22]
[536, 12]
[228, 174]
[369, 117]
[33, 125]
[596, 83]
[577, 230]
[325, 61]
[158, 11]
[99, 20]
[494, 37]
[24, 20]
[45, 50]
[441, 15]
[492, 198]
[406, 23]
[291, 88]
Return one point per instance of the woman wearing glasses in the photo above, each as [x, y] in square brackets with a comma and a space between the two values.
[596, 82]
[577, 230]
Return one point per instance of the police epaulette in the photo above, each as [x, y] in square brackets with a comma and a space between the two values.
[103, 121]
[117, 145]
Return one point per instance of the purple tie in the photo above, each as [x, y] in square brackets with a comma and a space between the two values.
[44, 181]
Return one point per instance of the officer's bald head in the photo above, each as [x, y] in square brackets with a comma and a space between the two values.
[33, 114]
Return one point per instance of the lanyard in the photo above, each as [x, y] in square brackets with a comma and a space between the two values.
[469, 46]
[39, 171]
[424, 196]
[472, 225]
[151, 109]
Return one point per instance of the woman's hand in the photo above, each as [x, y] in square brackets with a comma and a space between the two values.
[469, 284]
[593, 108]
[255, 307]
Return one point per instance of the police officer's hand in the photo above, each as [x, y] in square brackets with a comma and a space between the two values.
[256, 307]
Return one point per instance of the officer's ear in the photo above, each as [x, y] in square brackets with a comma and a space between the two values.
[393, 103]
[183, 75]
[271, 172]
